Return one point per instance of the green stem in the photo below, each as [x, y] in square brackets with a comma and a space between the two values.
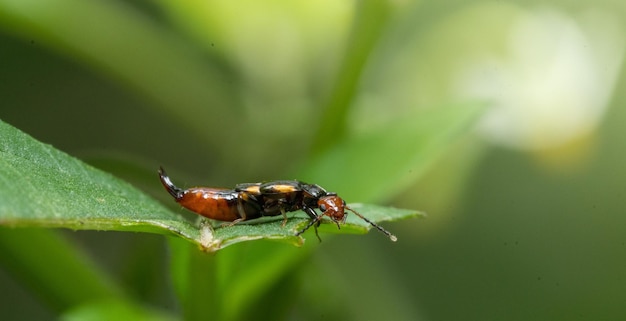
[369, 24]
[194, 275]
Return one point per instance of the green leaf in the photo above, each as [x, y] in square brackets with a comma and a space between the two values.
[114, 310]
[39, 258]
[43, 187]
[376, 163]
[76, 29]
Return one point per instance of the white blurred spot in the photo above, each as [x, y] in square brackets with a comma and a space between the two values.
[553, 83]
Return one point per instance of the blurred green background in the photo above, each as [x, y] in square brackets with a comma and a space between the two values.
[526, 208]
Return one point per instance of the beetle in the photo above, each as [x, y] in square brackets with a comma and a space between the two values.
[253, 200]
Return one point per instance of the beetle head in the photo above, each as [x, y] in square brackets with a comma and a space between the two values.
[334, 207]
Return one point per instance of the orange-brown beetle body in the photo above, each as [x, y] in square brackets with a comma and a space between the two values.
[253, 200]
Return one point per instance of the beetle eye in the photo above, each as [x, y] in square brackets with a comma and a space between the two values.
[323, 207]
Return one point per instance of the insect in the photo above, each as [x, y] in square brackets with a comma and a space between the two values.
[253, 200]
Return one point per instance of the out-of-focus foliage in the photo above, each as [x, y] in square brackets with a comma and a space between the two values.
[524, 211]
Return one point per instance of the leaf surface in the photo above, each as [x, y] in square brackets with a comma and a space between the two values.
[41, 186]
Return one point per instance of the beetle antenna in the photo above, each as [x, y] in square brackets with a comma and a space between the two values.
[392, 237]
[175, 191]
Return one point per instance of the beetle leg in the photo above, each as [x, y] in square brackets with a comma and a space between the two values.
[316, 234]
[229, 224]
[282, 211]
[315, 221]
[281, 206]
[310, 212]
[240, 210]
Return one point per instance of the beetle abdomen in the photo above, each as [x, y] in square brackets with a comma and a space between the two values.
[214, 203]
